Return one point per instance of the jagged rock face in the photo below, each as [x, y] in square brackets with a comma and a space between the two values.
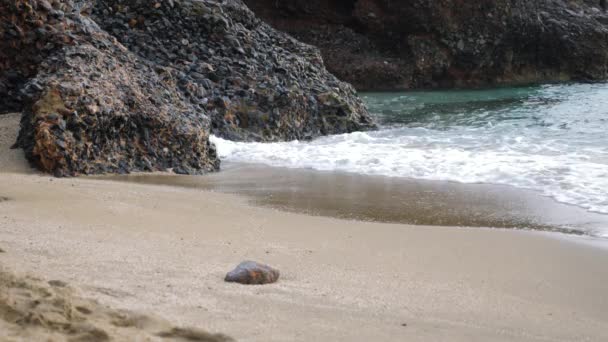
[382, 44]
[255, 83]
[90, 105]
[148, 101]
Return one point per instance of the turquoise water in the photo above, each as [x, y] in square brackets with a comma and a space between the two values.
[552, 139]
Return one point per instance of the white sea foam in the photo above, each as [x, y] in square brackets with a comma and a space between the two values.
[570, 178]
[549, 142]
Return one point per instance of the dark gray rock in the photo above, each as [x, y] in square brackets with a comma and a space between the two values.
[90, 105]
[256, 84]
[252, 273]
[404, 44]
[129, 85]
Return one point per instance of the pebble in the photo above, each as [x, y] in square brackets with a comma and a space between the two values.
[252, 273]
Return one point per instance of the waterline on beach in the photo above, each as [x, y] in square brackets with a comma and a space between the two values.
[550, 139]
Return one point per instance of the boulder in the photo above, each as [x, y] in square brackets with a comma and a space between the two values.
[89, 104]
[128, 85]
[256, 84]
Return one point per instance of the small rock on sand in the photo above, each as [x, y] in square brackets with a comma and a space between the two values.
[252, 273]
[58, 283]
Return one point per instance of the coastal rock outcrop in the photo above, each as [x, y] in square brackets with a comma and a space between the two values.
[92, 106]
[381, 44]
[128, 85]
[257, 84]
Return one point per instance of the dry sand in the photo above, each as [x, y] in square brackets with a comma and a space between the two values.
[32, 310]
[164, 251]
[11, 160]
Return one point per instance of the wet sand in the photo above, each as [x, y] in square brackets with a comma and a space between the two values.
[164, 250]
[387, 199]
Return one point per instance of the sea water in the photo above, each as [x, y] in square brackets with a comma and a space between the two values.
[552, 139]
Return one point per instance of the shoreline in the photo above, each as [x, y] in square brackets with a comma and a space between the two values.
[388, 199]
[164, 250]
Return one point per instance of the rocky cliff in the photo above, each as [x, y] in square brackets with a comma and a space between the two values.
[131, 85]
[404, 44]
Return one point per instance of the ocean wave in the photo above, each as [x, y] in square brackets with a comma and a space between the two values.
[551, 139]
[572, 178]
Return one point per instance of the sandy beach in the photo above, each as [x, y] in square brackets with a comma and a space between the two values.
[163, 251]
[387, 199]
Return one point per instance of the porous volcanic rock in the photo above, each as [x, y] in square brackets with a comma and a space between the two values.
[404, 44]
[89, 104]
[148, 100]
[257, 84]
